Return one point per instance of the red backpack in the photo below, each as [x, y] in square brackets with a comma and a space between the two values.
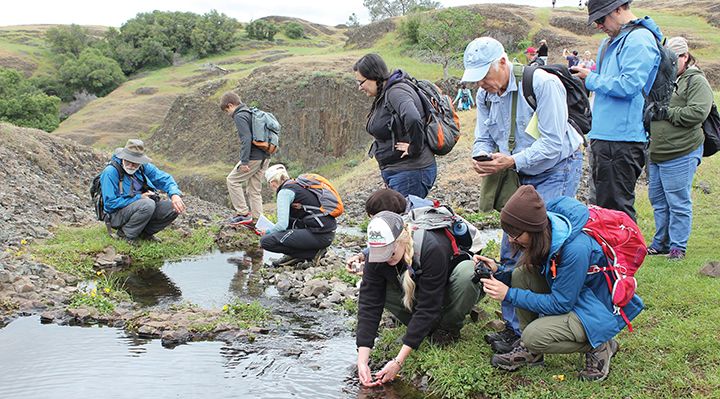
[624, 247]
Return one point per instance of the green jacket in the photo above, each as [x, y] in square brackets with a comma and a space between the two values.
[681, 133]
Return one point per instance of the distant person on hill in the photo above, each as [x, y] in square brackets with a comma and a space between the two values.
[572, 58]
[464, 98]
[432, 303]
[249, 170]
[547, 156]
[543, 51]
[587, 61]
[562, 308]
[627, 64]
[407, 164]
[532, 57]
[676, 149]
[301, 234]
[133, 204]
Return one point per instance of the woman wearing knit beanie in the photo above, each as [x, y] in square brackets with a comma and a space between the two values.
[561, 308]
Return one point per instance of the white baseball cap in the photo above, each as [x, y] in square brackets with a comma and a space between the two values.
[272, 172]
[382, 231]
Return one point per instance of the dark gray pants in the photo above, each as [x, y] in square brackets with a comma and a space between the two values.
[143, 218]
[298, 243]
[616, 167]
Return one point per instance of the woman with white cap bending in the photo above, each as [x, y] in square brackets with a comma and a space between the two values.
[424, 291]
[299, 234]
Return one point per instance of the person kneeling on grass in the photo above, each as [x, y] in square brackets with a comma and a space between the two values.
[561, 308]
[299, 234]
[424, 292]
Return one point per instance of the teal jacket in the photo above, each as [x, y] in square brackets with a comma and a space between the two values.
[621, 78]
[572, 289]
[113, 200]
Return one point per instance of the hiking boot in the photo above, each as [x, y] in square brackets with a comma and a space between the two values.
[152, 238]
[239, 220]
[280, 261]
[516, 358]
[318, 256]
[507, 335]
[676, 254]
[290, 261]
[442, 337]
[654, 251]
[597, 361]
[501, 347]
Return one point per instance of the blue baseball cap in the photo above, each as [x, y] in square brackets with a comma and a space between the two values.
[478, 57]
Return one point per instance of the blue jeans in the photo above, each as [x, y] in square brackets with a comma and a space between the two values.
[411, 182]
[669, 192]
[562, 179]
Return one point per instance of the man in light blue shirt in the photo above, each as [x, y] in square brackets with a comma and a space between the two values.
[548, 158]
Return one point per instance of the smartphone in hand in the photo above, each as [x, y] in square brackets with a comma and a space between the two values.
[482, 157]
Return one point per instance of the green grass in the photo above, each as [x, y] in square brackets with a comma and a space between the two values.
[674, 351]
[73, 249]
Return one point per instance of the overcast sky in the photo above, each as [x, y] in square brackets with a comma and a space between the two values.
[115, 12]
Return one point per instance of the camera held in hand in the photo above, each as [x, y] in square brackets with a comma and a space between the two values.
[482, 270]
[153, 196]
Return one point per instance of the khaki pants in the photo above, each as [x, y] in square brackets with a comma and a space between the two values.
[548, 334]
[253, 178]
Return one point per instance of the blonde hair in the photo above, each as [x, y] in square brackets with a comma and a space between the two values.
[408, 284]
[280, 177]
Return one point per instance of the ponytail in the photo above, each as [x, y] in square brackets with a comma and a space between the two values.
[408, 284]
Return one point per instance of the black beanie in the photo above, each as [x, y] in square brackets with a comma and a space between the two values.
[524, 211]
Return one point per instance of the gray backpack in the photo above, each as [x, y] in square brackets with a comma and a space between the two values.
[464, 237]
[265, 130]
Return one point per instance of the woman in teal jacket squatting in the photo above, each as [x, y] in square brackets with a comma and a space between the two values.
[561, 308]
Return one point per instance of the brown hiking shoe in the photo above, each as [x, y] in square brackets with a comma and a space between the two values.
[597, 361]
[516, 358]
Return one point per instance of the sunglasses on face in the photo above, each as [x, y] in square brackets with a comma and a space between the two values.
[600, 20]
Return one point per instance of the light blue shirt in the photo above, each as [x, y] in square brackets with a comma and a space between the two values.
[285, 198]
[558, 140]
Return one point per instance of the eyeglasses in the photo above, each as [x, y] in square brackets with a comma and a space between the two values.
[514, 238]
[600, 20]
[361, 82]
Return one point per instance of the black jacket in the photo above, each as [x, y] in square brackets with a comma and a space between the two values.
[243, 122]
[429, 292]
[301, 219]
[406, 125]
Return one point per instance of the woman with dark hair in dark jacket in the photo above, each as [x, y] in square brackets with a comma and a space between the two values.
[395, 120]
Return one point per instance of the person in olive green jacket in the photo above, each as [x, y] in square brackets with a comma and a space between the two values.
[676, 147]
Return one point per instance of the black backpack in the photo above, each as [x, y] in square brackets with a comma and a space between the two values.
[96, 190]
[578, 104]
[664, 84]
[711, 129]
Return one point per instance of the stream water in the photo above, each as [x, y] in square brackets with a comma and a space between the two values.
[311, 357]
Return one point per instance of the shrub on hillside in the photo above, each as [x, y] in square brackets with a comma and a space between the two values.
[294, 30]
[261, 30]
[23, 104]
[92, 72]
[69, 40]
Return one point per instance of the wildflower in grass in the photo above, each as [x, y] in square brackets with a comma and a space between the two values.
[226, 308]
[23, 242]
[93, 293]
[107, 290]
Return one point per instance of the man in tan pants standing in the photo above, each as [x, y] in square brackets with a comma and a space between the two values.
[250, 169]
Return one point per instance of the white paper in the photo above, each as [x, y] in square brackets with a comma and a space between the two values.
[264, 224]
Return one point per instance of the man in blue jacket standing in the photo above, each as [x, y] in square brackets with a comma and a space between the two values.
[627, 64]
[539, 144]
[130, 195]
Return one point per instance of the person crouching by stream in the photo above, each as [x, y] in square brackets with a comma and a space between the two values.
[561, 308]
[424, 292]
[299, 234]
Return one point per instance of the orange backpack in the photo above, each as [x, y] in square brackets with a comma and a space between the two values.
[330, 202]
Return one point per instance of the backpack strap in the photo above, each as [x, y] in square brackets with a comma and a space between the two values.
[527, 86]
[121, 173]
[518, 73]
